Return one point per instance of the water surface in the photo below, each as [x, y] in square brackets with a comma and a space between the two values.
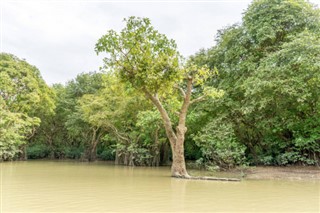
[45, 186]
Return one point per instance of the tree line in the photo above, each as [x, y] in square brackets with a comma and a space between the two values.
[251, 99]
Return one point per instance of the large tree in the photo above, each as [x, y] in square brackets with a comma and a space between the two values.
[268, 68]
[80, 131]
[13, 129]
[24, 98]
[148, 60]
[113, 110]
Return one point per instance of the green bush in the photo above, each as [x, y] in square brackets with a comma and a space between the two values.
[290, 158]
[192, 151]
[38, 151]
[219, 146]
[267, 160]
[74, 152]
[107, 154]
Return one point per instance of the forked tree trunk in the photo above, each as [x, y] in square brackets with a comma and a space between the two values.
[176, 138]
[178, 167]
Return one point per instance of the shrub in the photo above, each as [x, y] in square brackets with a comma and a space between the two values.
[74, 152]
[37, 151]
[107, 154]
[219, 146]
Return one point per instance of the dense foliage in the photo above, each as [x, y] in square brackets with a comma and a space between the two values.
[269, 70]
[24, 98]
[262, 78]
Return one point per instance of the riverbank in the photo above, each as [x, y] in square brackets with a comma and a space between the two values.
[291, 173]
[266, 173]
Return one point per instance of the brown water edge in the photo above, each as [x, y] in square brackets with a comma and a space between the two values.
[242, 173]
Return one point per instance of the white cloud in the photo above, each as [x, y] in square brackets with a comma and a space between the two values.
[59, 36]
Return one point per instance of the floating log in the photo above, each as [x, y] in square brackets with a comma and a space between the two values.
[207, 178]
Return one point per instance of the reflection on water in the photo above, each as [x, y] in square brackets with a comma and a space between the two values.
[43, 186]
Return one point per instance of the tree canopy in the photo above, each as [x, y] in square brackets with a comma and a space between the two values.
[24, 97]
[268, 69]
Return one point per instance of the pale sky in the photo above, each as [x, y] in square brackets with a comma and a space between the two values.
[59, 37]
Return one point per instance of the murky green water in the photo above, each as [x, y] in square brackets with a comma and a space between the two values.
[42, 186]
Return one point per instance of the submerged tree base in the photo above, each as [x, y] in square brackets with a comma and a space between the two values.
[207, 178]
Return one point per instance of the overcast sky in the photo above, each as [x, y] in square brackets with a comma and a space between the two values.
[59, 37]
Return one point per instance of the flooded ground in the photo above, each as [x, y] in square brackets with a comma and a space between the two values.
[49, 186]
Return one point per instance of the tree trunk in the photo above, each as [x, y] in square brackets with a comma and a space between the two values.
[117, 158]
[155, 161]
[93, 153]
[164, 154]
[23, 154]
[50, 145]
[51, 154]
[178, 168]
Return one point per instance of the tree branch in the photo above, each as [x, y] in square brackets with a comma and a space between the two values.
[199, 99]
[164, 115]
[186, 102]
[181, 91]
[116, 132]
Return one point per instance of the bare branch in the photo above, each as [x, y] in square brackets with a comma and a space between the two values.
[116, 132]
[181, 91]
[186, 102]
[199, 99]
